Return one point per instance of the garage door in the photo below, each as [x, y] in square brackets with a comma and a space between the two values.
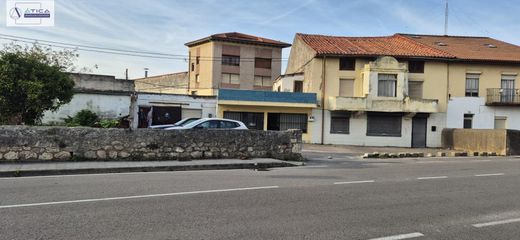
[191, 113]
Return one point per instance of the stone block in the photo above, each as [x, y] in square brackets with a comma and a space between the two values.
[196, 154]
[28, 155]
[441, 154]
[101, 154]
[112, 154]
[11, 155]
[393, 155]
[179, 149]
[62, 155]
[123, 154]
[484, 154]
[46, 156]
[402, 155]
[90, 155]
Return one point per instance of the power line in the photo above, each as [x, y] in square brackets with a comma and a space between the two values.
[119, 51]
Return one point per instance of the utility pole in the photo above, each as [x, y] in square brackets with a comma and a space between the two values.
[446, 19]
[126, 74]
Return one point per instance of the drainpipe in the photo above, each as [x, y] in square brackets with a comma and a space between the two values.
[323, 81]
[189, 71]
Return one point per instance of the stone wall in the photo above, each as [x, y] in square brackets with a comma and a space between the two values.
[23, 143]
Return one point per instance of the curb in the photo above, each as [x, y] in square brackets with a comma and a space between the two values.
[422, 155]
[50, 172]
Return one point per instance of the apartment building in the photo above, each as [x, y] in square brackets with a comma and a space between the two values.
[402, 90]
[233, 61]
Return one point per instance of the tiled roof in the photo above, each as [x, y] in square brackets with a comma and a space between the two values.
[471, 48]
[239, 38]
[416, 46]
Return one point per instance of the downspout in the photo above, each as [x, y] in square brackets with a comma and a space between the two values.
[323, 81]
[189, 71]
[448, 94]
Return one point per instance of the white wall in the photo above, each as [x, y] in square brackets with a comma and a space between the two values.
[484, 116]
[208, 105]
[358, 129]
[105, 106]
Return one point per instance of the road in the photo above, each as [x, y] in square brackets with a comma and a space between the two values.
[339, 198]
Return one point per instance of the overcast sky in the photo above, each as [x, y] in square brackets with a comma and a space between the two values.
[165, 25]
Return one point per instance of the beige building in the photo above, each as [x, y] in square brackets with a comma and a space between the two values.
[402, 90]
[172, 83]
[233, 61]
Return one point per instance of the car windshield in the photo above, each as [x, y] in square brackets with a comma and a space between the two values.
[185, 121]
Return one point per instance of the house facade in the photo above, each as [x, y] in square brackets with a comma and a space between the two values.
[233, 61]
[402, 90]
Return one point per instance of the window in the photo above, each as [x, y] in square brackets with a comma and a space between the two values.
[346, 87]
[230, 60]
[468, 121]
[472, 85]
[263, 63]
[208, 124]
[507, 91]
[416, 66]
[384, 124]
[192, 67]
[415, 89]
[285, 121]
[339, 122]
[251, 119]
[197, 60]
[500, 122]
[230, 78]
[348, 64]
[387, 85]
[197, 77]
[264, 81]
[279, 88]
[298, 86]
[228, 124]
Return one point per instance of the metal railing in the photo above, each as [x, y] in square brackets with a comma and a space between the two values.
[503, 96]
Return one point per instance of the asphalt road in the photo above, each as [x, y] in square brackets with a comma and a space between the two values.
[338, 198]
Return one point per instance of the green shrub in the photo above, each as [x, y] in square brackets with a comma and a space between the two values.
[84, 117]
[109, 123]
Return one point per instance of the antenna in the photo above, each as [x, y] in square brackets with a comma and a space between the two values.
[446, 19]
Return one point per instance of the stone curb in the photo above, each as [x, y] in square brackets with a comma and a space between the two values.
[421, 155]
[49, 172]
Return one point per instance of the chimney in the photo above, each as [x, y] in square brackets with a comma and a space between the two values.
[146, 72]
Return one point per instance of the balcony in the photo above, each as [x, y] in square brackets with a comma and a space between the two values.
[503, 97]
[382, 105]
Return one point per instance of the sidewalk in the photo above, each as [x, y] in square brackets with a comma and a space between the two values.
[67, 168]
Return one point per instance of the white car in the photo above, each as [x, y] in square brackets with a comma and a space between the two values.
[177, 124]
[212, 123]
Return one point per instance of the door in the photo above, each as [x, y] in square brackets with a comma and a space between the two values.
[165, 115]
[508, 90]
[419, 125]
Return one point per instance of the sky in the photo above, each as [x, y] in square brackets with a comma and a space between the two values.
[165, 25]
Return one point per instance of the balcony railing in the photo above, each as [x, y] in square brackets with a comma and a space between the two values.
[503, 96]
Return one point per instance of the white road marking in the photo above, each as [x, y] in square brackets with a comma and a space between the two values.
[352, 182]
[489, 174]
[400, 236]
[479, 225]
[136, 197]
[426, 178]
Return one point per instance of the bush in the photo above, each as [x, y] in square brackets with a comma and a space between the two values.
[84, 117]
[109, 123]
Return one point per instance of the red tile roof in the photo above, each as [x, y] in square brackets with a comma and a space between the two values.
[471, 48]
[415, 46]
[239, 38]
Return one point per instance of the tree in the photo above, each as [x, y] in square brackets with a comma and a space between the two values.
[33, 79]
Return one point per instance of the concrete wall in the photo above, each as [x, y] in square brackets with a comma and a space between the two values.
[175, 83]
[105, 95]
[484, 116]
[475, 140]
[104, 105]
[19, 143]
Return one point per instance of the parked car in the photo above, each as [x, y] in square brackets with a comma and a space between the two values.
[177, 124]
[212, 123]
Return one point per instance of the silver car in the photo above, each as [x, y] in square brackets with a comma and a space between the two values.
[212, 123]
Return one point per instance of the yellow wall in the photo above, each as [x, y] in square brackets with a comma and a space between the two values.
[490, 77]
[205, 69]
[260, 109]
